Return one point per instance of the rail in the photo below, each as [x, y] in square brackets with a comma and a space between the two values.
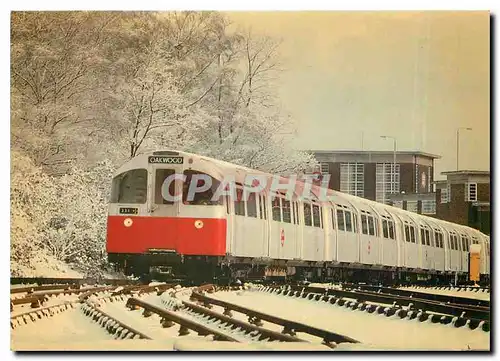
[290, 327]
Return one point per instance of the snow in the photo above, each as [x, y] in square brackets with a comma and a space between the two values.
[63, 329]
[372, 329]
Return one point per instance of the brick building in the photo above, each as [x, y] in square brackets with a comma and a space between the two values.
[464, 198]
[371, 174]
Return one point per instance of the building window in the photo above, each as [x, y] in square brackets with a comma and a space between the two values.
[325, 168]
[352, 179]
[398, 204]
[445, 195]
[411, 206]
[429, 206]
[387, 181]
[471, 192]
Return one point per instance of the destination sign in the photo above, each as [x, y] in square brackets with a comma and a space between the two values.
[129, 210]
[166, 160]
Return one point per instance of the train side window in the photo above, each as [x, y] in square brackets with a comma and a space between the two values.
[296, 212]
[287, 216]
[428, 237]
[277, 209]
[364, 224]
[385, 228]
[407, 233]
[340, 219]
[200, 198]
[391, 230]
[226, 199]
[371, 226]
[317, 216]
[252, 205]
[348, 221]
[307, 215]
[412, 234]
[239, 203]
[332, 214]
[262, 207]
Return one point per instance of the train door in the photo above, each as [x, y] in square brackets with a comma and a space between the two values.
[165, 185]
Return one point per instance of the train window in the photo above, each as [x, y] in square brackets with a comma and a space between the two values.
[130, 187]
[407, 233]
[348, 221]
[277, 209]
[340, 219]
[422, 235]
[385, 228]
[239, 203]
[262, 207]
[252, 205]
[307, 214]
[465, 244]
[371, 226]
[428, 237]
[161, 176]
[203, 198]
[227, 204]
[287, 216]
[317, 216]
[295, 207]
[364, 224]
[392, 235]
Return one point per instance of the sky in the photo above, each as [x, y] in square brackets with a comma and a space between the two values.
[350, 77]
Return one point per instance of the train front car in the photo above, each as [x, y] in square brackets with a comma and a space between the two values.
[154, 226]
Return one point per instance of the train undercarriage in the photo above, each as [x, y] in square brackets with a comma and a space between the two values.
[227, 270]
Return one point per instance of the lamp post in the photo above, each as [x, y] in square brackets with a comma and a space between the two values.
[393, 173]
[458, 141]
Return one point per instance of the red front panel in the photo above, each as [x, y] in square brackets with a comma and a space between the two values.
[188, 236]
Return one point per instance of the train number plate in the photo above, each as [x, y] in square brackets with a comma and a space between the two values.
[129, 210]
[166, 160]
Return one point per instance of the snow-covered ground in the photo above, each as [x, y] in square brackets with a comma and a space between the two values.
[373, 330]
[72, 330]
[479, 295]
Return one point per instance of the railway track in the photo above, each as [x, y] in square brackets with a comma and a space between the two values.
[390, 304]
[456, 300]
[167, 311]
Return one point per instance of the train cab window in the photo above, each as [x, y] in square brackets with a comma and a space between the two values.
[239, 203]
[287, 215]
[161, 193]
[130, 187]
[318, 222]
[307, 215]
[262, 207]
[340, 219]
[252, 205]
[277, 209]
[203, 198]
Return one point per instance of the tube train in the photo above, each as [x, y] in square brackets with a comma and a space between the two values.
[267, 234]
